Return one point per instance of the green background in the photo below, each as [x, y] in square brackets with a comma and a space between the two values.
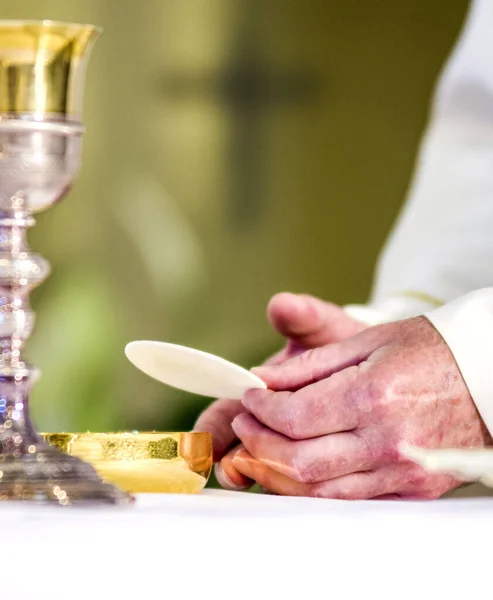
[234, 149]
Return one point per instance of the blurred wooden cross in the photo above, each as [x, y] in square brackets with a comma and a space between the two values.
[247, 89]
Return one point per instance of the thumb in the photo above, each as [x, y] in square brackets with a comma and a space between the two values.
[217, 419]
[309, 321]
[316, 364]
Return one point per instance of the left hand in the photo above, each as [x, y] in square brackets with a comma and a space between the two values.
[331, 422]
[306, 322]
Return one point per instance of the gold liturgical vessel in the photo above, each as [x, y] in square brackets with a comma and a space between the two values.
[42, 68]
[176, 463]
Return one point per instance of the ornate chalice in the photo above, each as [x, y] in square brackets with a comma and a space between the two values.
[42, 68]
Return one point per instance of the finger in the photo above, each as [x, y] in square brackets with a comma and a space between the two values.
[319, 363]
[228, 475]
[268, 478]
[309, 321]
[387, 497]
[332, 405]
[291, 349]
[306, 461]
[216, 419]
[356, 486]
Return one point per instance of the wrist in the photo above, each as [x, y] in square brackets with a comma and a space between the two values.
[466, 325]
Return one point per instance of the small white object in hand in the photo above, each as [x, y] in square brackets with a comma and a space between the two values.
[466, 464]
[192, 370]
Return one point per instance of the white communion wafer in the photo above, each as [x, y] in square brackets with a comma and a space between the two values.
[192, 370]
[467, 464]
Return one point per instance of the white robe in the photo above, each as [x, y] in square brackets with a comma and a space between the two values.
[438, 260]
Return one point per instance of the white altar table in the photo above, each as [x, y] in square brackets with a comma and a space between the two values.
[236, 545]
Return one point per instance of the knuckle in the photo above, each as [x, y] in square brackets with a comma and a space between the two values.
[302, 468]
[333, 467]
[371, 448]
[347, 494]
[417, 479]
[379, 391]
[308, 355]
[313, 470]
[293, 419]
[432, 493]
[342, 492]
[375, 390]
[429, 486]
[359, 486]
[308, 362]
[301, 412]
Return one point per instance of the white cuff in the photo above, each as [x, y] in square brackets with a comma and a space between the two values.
[466, 325]
[393, 308]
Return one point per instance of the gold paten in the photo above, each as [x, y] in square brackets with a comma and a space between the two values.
[175, 463]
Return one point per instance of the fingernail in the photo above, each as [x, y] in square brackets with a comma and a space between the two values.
[246, 400]
[225, 481]
[236, 423]
[241, 457]
[260, 372]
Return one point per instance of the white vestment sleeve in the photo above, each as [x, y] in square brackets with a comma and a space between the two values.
[441, 247]
[466, 324]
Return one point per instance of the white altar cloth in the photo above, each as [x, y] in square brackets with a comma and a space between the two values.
[236, 545]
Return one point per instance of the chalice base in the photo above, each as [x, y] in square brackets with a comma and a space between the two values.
[48, 476]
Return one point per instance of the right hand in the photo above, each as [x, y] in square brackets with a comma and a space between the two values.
[306, 322]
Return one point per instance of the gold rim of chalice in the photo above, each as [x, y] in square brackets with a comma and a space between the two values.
[143, 462]
[46, 23]
[42, 67]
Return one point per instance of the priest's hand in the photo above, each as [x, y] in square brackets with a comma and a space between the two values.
[306, 322]
[331, 422]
